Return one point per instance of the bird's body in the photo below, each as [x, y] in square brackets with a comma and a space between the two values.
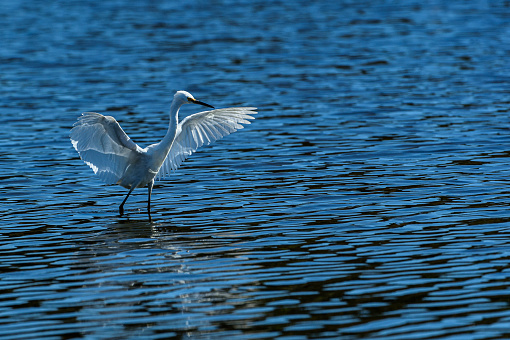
[116, 159]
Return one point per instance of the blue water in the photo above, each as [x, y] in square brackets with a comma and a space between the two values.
[368, 200]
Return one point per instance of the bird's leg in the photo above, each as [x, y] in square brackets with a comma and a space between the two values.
[151, 183]
[121, 207]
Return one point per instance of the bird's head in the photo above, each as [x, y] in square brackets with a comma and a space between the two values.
[184, 97]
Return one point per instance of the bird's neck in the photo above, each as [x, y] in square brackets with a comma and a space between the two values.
[172, 127]
[162, 148]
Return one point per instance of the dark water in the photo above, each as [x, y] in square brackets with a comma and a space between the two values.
[368, 200]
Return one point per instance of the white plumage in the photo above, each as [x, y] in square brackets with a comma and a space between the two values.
[203, 128]
[116, 159]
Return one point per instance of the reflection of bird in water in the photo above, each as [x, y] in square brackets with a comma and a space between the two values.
[116, 159]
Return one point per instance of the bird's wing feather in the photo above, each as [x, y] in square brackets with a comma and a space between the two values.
[103, 145]
[203, 128]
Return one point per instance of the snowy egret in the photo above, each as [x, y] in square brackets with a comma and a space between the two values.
[116, 159]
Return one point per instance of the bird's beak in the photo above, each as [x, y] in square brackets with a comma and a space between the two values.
[194, 101]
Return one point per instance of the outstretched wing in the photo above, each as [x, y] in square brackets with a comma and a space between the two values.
[203, 128]
[103, 145]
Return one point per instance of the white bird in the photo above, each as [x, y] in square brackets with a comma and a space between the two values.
[116, 159]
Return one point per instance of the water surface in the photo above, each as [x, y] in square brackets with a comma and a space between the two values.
[368, 200]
